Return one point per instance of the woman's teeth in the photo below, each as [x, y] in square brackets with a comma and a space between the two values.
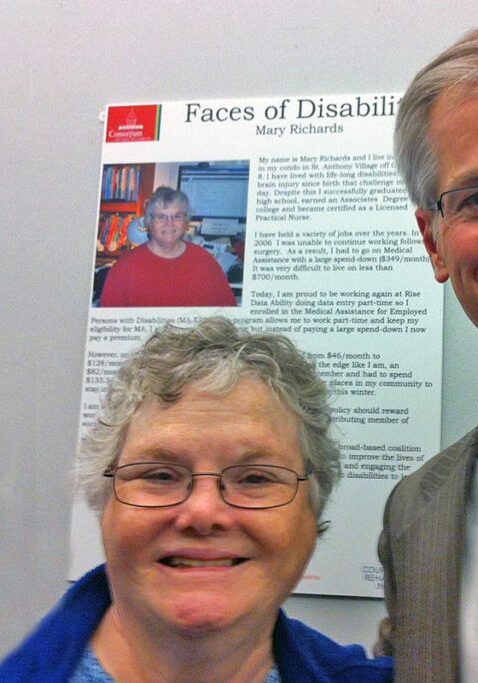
[188, 562]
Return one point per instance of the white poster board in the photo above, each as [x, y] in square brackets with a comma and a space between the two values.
[299, 201]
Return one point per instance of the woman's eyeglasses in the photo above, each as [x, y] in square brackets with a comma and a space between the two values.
[163, 484]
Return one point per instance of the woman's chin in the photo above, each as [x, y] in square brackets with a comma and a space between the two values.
[203, 617]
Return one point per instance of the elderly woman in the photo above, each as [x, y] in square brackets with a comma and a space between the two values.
[210, 466]
[166, 270]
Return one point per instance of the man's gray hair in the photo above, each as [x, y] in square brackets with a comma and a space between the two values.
[416, 159]
[213, 356]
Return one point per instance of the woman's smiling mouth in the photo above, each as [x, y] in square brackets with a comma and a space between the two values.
[179, 561]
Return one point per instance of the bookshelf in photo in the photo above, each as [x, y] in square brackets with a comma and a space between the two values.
[124, 191]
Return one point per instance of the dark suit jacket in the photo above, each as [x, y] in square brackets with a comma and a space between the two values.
[421, 549]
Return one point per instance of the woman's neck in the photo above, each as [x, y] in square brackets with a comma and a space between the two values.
[174, 251]
[130, 652]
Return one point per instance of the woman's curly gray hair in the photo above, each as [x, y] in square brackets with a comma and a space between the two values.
[213, 355]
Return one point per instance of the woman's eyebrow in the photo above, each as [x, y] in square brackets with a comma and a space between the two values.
[257, 454]
[153, 453]
[161, 454]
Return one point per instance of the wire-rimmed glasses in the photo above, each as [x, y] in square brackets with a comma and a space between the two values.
[164, 484]
[459, 205]
[165, 218]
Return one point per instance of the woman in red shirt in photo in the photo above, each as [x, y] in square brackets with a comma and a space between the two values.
[166, 270]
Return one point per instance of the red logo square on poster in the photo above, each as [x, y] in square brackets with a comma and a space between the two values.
[133, 123]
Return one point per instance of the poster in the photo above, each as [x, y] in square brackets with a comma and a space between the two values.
[298, 201]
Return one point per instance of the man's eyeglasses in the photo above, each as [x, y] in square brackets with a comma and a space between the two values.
[165, 218]
[164, 484]
[460, 205]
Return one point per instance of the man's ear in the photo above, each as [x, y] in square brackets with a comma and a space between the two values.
[425, 219]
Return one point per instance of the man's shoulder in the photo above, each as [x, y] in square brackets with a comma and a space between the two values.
[437, 471]
[448, 458]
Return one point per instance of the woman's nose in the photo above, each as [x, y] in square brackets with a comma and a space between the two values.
[204, 510]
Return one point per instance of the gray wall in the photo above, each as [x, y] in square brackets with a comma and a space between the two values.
[61, 61]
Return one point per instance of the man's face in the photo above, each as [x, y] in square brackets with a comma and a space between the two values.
[232, 566]
[453, 131]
